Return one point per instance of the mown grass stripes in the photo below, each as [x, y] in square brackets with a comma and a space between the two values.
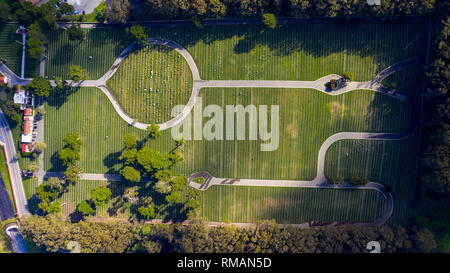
[304, 51]
[150, 82]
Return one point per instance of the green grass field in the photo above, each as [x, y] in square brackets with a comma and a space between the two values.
[391, 163]
[246, 204]
[150, 82]
[290, 205]
[304, 51]
[11, 51]
[5, 175]
[291, 52]
[307, 118]
[104, 45]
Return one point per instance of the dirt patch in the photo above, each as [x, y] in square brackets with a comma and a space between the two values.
[292, 129]
[336, 109]
[282, 203]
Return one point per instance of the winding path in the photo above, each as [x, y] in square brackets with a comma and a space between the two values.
[318, 182]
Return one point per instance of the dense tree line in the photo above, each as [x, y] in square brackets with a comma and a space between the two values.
[175, 9]
[53, 235]
[436, 135]
[433, 211]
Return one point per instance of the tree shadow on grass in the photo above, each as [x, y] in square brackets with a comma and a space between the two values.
[112, 160]
[62, 55]
[56, 163]
[118, 189]
[58, 99]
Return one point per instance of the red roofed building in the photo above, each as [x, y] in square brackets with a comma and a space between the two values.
[3, 80]
[27, 127]
[24, 147]
[27, 112]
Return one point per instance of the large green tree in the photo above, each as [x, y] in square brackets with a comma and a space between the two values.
[269, 20]
[118, 11]
[130, 174]
[40, 87]
[73, 172]
[66, 8]
[76, 73]
[137, 34]
[100, 195]
[154, 131]
[85, 208]
[129, 156]
[75, 33]
[151, 160]
[73, 140]
[129, 140]
[147, 212]
[69, 156]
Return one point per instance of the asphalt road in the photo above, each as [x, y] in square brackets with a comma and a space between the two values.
[16, 178]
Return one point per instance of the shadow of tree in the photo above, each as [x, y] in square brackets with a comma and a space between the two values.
[111, 160]
[56, 163]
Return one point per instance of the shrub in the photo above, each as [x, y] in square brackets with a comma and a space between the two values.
[196, 22]
[333, 84]
[199, 180]
[348, 76]
[269, 20]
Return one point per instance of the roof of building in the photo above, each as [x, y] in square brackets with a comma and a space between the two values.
[24, 148]
[27, 127]
[20, 97]
[26, 139]
[27, 112]
[3, 80]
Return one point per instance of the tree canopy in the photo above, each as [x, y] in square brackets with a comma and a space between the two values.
[85, 208]
[137, 34]
[129, 140]
[131, 174]
[147, 212]
[100, 195]
[151, 160]
[76, 73]
[269, 20]
[118, 11]
[40, 87]
[75, 33]
[154, 131]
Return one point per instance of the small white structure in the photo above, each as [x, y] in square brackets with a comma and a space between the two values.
[26, 138]
[23, 98]
[20, 97]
